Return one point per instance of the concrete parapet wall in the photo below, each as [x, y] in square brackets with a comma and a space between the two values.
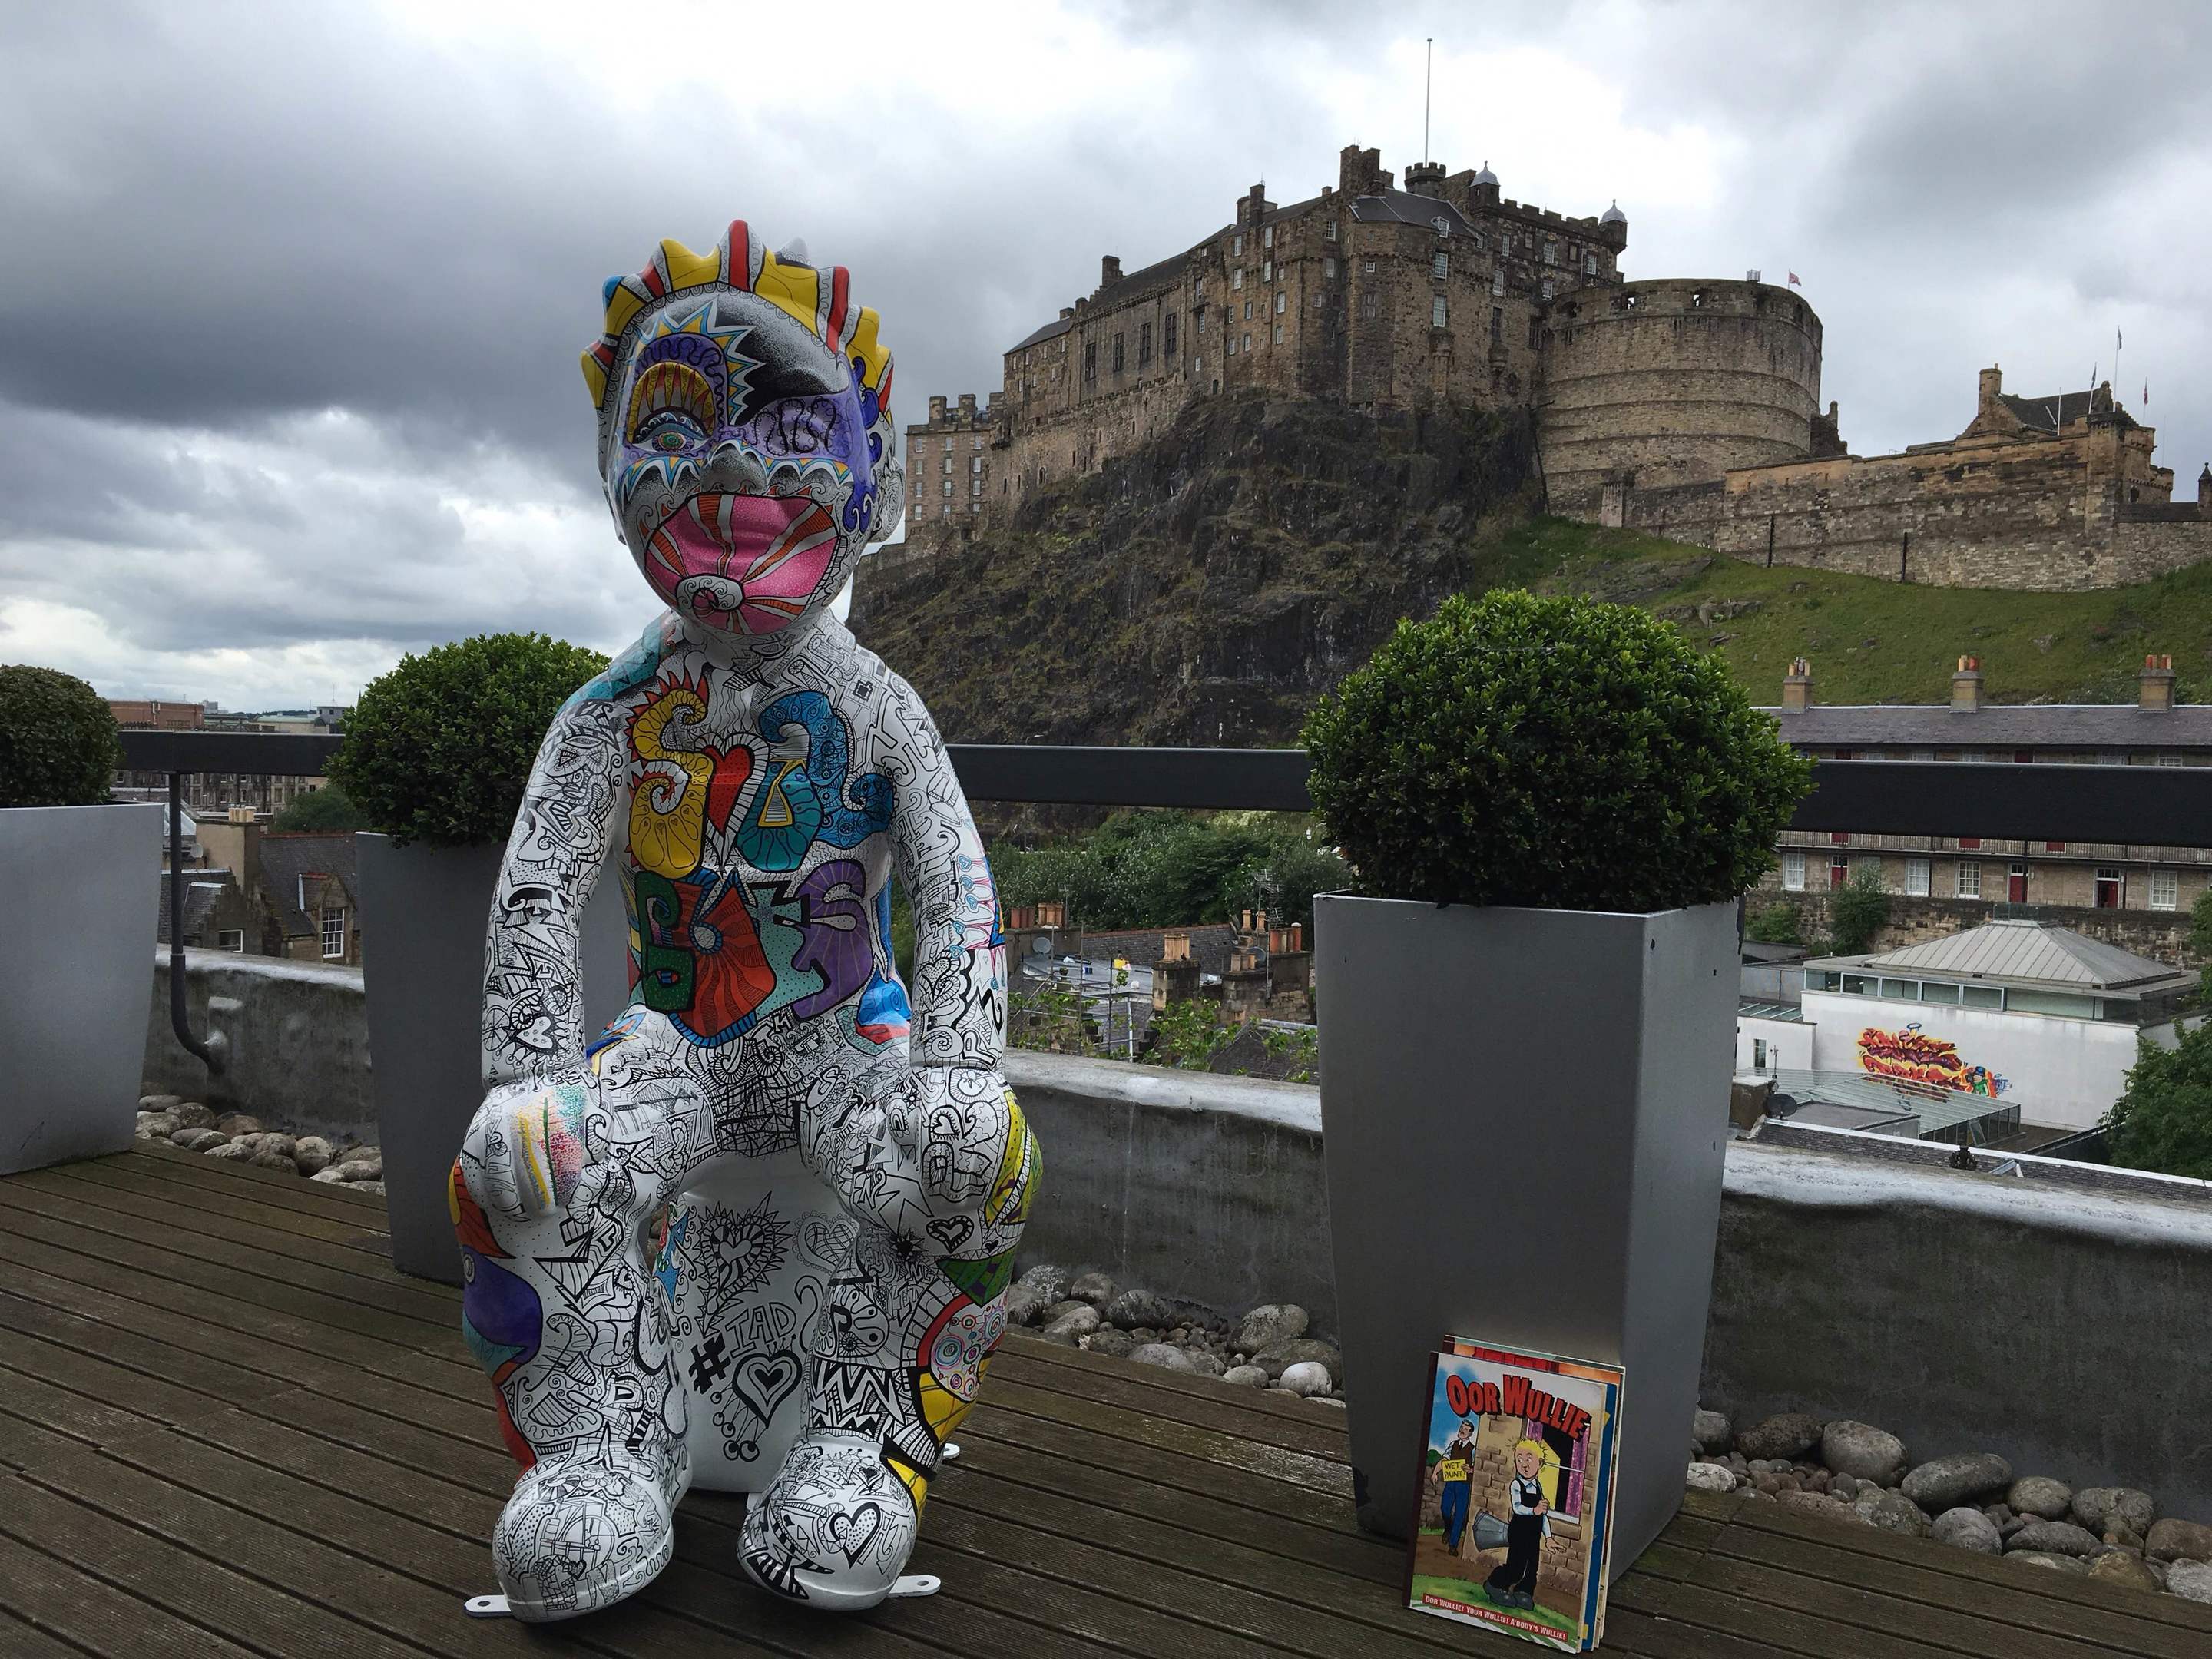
[298, 1033]
[1194, 1185]
[1969, 1313]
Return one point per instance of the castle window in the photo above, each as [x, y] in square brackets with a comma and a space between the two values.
[1369, 267]
[1282, 300]
[1497, 281]
[1246, 344]
[1268, 271]
[1091, 360]
[1543, 289]
[1551, 253]
[1329, 269]
[975, 464]
[1198, 292]
[1248, 311]
[1237, 243]
[1497, 326]
[1236, 278]
[1440, 266]
[1232, 348]
[948, 486]
[1480, 241]
[1368, 307]
[1698, 299]
[1117, 353]
[1329, 231]
[1267, 237]
[1144, 344]
[1168, 337]
[1590, 264]
[1202, 319]
[1279, 334]
[1628, 300]
[1535, 333]
[947, 466]
[978, 444]
[1436, 311]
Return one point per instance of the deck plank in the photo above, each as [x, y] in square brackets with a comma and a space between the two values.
[229, 1426]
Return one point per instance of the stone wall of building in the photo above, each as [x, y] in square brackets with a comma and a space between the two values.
[1675, 381]
[2161, 935]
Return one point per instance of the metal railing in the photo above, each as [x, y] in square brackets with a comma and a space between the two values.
[2029, 801]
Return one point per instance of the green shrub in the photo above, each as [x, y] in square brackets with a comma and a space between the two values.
[1774, 924]
[57, 743]
[1158, 869]
[2164, 1121]
[1859, 911]
[439, 749]
[1549, 751]
[330, 809]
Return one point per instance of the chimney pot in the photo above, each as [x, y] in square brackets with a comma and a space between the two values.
[2154, 686]
[1967, 686]
[1797, 688]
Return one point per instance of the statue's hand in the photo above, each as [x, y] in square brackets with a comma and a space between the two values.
[908, 1143]
[523, 1146]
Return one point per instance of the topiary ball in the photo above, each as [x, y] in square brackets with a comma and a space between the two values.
[58, 743]
[440, 749]
[1553, 752]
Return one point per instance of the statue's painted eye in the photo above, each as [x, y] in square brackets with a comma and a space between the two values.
[669, 431]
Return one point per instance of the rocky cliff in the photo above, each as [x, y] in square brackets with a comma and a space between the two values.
[1203, 589]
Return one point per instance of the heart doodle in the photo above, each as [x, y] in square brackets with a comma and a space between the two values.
[851, 1531]
[951, 1231]
[762, 1382]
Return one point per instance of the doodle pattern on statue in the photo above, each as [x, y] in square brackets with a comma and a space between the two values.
[758, 1235]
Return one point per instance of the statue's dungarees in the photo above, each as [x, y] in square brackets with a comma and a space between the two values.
[756, 1235]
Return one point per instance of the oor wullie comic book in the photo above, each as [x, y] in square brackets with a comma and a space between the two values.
[1517, 1488]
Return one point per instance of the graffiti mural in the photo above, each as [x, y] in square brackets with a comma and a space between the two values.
[757, 1235]
[1912, 1055]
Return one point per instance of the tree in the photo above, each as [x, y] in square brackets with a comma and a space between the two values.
[2200, 940]
[329, 811]
[2164, 1121]
[1774, 924]
[1859, 911]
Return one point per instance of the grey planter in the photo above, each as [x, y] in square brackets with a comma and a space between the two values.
[80, 890]
[424, 911]
[1524, 1114]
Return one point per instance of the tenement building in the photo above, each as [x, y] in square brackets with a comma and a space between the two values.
[2135, 894]
[1444, 292]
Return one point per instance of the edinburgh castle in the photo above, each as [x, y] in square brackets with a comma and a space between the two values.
[1690, 408]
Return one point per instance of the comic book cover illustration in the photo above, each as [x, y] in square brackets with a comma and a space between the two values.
[1516, 1486]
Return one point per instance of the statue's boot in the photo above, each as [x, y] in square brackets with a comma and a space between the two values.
[835, 1527]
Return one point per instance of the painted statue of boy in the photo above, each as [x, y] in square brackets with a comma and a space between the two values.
[758, 1235]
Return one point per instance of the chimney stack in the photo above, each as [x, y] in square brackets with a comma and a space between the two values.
[2154, 687]
[1797, 688]
[1992, 385]
[937, 409]
[1109, 270]
[968, 408]
[1967, 686]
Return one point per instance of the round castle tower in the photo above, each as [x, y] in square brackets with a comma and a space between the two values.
[1673, 381]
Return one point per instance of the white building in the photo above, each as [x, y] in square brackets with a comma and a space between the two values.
[2016, 1009]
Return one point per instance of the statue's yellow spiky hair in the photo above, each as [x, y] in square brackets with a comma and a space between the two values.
[816, 298]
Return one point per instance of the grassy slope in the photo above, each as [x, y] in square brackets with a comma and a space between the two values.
[1881, 642]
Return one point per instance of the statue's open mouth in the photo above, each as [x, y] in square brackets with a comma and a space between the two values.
[747, 563]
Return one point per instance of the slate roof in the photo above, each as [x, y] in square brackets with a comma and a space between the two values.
[1938, 1110]
[1051, 330]
[1405, 207]
[286, 859]
[2060, 408]
[2028, 953]
[2010, 726]
[202, 889]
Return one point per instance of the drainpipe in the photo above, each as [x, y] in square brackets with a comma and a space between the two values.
[211, 1053]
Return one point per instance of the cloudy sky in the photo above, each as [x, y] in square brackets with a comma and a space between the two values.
[291, 296]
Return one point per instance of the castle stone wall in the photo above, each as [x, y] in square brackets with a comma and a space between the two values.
[1675, 381]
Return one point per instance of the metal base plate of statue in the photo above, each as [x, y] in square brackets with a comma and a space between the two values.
[757, 1235]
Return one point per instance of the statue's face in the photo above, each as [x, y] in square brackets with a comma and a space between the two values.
[746, 464]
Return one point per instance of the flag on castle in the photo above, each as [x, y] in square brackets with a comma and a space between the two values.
[1794, 283]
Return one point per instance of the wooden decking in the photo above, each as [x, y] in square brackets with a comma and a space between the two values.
[228, 1427]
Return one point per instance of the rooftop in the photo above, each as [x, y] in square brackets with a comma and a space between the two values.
[2007, 726]
[2030, 953]
[231, 1428]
